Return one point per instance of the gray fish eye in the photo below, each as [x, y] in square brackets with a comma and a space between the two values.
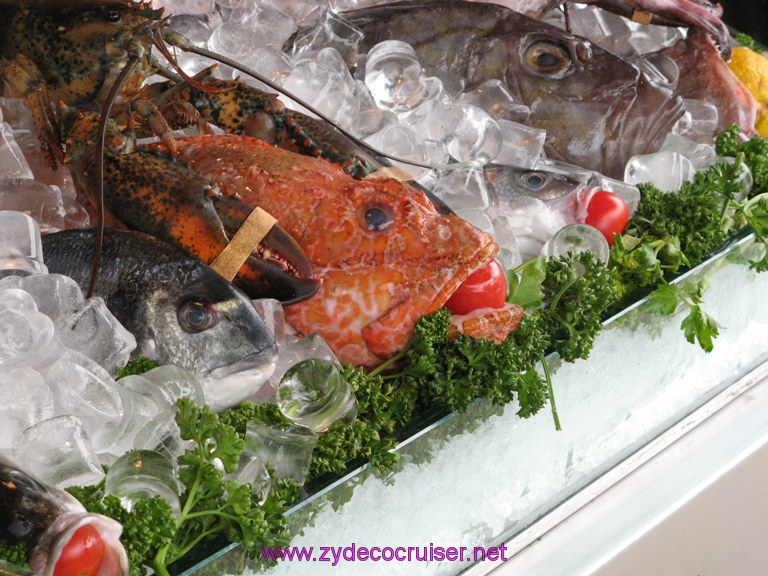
[547, 58]
[195, 317]
[533, 180]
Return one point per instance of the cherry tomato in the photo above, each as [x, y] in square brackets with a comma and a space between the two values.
[82, 555]
[484, 288]
[608, 212]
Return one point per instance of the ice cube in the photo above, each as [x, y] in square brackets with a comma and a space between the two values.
[577, 238]
[629, 192]
[55, 295]
[700, 121]
[509, 253]
[144, 474]
[665, 170]
[437, 115]
[21, 249]
[75, 214]
[394, 75]
[199, 7]
[269, 61]
[521, 145]
[701, 155]
[41, 201]
[463, 187]
[165, 385]
[27, 399]
[59, 452]
[372, 120]
[118, 434]
[310, 346]
[329, 31]
[287, 452]
[194, 27]
[312, 393]
[646, 38]
[477, 136]
[27, 337]
[12, 161]
[478, 218]
[83, 388]
[401, 142]
[92, 330]
[232, 37]
[162, 434]
[252, 470]
[325, 86]
[271, 25]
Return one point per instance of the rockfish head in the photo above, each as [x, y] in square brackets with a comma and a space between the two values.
[386, 257]
[180, 311]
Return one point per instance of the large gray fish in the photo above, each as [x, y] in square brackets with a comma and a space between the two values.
[47, 520]
[598, 109]
[698, 14]
[180, 311]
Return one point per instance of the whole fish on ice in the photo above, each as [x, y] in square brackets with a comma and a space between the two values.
[598, 109]
[46, 519]
[180, 311]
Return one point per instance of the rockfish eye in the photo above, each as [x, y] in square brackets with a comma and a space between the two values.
[375, 217]
[547, 58]
[533, 180]
[196, 317]
[112, 16]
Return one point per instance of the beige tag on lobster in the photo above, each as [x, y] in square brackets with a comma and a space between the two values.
[256, 226]
[391, 172]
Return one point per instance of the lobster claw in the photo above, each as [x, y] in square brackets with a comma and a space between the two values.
[277, 268]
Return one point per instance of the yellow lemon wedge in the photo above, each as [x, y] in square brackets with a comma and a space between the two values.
[752, 69]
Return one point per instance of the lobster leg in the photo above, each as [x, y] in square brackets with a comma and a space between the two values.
[239, 108]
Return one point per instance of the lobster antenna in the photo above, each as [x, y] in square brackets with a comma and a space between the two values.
[101, 137]
[188, 46]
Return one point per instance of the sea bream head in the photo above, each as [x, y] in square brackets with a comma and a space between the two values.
[598, 109]
[180, 311]
[385, 255]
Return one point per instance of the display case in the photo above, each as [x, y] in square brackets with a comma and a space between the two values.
[487, 477]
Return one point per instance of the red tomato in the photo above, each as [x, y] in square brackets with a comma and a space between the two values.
[608, 213]
[484, 288]
[82, 555]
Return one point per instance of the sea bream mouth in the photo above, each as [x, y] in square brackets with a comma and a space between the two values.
[230, 385]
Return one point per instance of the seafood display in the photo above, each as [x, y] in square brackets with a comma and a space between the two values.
[180, 311]
[61, 537]
[598, 109]
[347, 211]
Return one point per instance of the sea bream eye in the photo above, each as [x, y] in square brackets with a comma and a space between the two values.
[533, 180]
[375, 217]
[196, 317]
[547, 58]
